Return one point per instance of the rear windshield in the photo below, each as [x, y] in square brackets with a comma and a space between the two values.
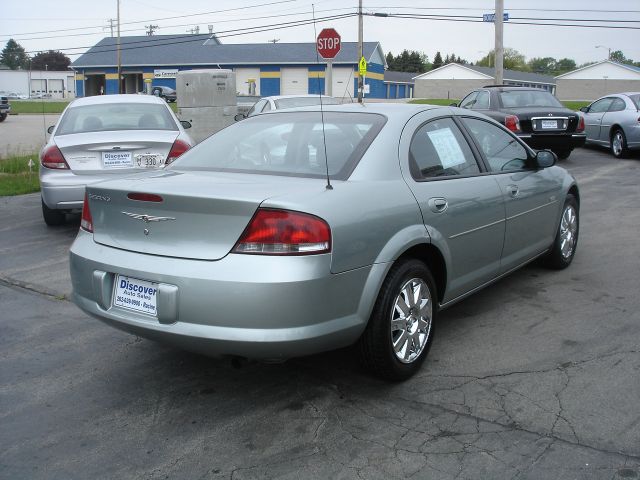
[304, 102]
[287, 144]
[528, 98]
[636, 100]
[116, 116]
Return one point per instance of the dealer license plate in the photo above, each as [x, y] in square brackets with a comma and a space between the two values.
[148, 160]
[549, 124]
[135, 294]
[117, 159]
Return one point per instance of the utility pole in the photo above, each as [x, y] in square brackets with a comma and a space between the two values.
[111, 22]
[152, 28]
[119, 52]
[499, 48]
[360, 83]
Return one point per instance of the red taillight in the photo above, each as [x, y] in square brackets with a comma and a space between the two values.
[86, 223]
[282, 232]
[580, 124]
[512, 122]
[144, 197]
[52, 157]
[177, 149]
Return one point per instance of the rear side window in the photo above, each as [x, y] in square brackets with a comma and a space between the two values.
[438, 149]
[116, 116]
[503, 152]
[636, 100]
[288, 143]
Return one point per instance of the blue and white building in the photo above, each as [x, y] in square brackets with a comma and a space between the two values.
[261, 69]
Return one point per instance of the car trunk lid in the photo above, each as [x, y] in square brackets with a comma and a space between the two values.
[116, 152]
[199, 215]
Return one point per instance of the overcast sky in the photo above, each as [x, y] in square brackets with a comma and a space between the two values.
[81, 23]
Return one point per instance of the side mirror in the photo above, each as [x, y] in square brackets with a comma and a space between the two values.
[546, 158]
[239, 116]
[185, 124]
[50, 129]
[454, 104]
[584, 109]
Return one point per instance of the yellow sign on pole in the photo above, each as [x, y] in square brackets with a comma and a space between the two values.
[362, 67]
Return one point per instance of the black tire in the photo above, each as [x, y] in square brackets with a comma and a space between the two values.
[618, 143]
[52, 217]
[3, 117]
[563, 154]
[376, 346]
[561, 254]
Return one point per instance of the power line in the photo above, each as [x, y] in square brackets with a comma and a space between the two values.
[154, 19]
[262, 17]
[163, 41]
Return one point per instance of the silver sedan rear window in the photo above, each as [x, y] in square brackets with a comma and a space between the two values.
[288, 144]
[116, 116]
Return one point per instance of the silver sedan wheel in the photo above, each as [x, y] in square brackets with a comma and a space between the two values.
[568, 231]
[617, 143]
[411, 319]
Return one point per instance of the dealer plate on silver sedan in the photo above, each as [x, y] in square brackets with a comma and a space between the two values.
[148, 160]
[135, 294]
[549, 124]
[117, 159]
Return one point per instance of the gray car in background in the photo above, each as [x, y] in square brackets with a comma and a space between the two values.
[280, 102]
[102, 137]
[614, 122]
[297, 232]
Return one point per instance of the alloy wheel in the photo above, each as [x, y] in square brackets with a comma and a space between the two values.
[411, 320]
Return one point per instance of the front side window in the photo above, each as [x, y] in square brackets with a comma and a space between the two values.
[116, 116]
[469, 100]
[289, 143]
[601, 105]
[257, 108]
[502, 151]
[438, 149]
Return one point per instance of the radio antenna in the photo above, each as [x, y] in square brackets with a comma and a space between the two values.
[324, 138]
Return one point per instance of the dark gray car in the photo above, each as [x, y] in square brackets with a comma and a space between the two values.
[296, 232]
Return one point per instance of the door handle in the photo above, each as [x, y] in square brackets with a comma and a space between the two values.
[438, 204]
[513, 190]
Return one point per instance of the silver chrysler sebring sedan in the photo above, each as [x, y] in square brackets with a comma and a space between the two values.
[298, 232]
[103, 137]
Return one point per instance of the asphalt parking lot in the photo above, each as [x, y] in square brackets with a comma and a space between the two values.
[536, 377]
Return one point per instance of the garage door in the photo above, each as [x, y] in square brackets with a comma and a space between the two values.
[343, 83]
[294, 81]
[245, 76]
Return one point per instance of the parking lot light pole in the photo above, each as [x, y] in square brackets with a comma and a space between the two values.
[499, 48]
[360, 49]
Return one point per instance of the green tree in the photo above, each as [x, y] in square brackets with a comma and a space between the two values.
[511, 60]
[619, 57]
[545, 65]
[14, 56]
[437, 61]
[407, 61]
[565, 65]
[51, 60]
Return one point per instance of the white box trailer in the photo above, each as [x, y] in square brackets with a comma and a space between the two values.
[207, 99]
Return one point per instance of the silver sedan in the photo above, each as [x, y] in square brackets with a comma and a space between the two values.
[614, 121]
[102, 137]
[293, 233]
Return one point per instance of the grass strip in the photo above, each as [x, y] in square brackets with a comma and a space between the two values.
[15, 176]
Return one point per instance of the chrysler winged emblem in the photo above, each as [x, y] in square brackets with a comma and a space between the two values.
[147, 218]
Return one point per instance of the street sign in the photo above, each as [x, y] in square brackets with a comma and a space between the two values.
[328, 43]
[362, 67]
[491, 17]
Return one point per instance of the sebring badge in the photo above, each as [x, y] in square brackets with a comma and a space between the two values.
[147, 218]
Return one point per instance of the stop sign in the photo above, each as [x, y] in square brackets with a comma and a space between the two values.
[328, 43]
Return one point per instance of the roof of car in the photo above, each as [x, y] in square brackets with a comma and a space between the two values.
[118, 98]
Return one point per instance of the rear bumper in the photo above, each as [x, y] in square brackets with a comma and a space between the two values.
[247, 305]
[554, 142]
